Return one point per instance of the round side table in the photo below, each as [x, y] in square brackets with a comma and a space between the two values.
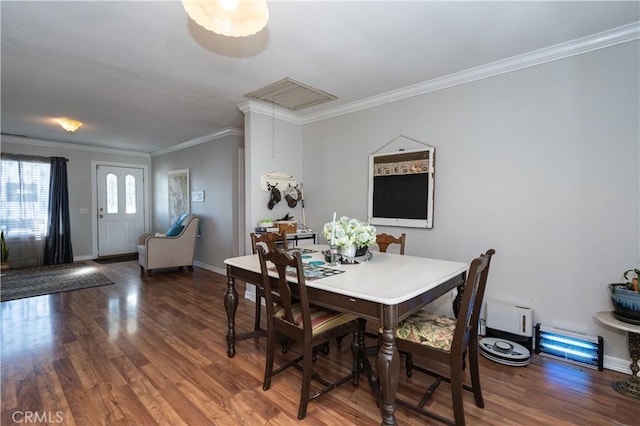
[630, 386]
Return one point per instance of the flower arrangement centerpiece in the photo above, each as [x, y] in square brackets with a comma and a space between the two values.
[348, 234]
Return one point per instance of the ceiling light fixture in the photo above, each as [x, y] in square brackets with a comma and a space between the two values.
[232, 18]
[68, 124]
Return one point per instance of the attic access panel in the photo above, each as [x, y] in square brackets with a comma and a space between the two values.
[291, 94]
[401, 187]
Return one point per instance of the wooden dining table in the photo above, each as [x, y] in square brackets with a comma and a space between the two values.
[386, 288]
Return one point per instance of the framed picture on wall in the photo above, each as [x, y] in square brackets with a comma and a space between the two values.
[401, 188]
[197, 196]
[178, 193]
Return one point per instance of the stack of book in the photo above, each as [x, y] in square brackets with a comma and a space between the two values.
[264, 229]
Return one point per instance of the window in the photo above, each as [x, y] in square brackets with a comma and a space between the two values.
[24, 198]
[112, 193]
[130, 194]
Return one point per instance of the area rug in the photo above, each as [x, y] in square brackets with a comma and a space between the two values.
[38, 280]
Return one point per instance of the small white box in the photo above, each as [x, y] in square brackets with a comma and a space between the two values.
[509, 317]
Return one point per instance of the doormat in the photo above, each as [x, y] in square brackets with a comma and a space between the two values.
[19, 283]
[118, 258]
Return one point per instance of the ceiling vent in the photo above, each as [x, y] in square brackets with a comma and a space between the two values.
[291, 94]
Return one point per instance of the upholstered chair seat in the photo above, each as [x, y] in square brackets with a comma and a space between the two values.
[429, 329]
[321, 320]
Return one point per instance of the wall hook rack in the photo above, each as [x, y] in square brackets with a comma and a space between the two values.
[276, 178]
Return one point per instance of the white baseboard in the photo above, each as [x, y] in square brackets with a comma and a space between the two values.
[250, 289]
[210, 268]
[250, 292]
[86, 257]
[617, 364]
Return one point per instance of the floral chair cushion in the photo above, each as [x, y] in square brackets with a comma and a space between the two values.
[321, 320]
[427, 328]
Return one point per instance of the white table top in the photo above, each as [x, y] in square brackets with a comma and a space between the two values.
[606, 317]
[387, 278]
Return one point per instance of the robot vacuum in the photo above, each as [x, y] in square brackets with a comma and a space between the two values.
[504, 352]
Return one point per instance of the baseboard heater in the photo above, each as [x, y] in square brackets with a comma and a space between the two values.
[570, 346]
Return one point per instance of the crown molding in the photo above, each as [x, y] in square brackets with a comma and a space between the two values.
[231, 131]
[23, 140]
[270, 110]
[556, 52]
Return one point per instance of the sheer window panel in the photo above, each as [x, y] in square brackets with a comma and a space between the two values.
[24, 208]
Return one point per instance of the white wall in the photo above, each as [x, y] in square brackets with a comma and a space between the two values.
[213, 168]
[269, 149]
[540, 164]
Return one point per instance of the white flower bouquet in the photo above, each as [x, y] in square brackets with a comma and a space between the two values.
[350, 231]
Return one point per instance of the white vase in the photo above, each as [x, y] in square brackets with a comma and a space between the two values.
[349, 251]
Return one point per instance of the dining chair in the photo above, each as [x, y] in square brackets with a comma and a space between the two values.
[447, 340]
[270, 240]
[301, 322]
[385, 240]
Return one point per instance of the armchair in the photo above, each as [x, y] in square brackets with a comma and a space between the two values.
[175, 249]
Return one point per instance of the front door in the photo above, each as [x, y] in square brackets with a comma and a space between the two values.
[120, 209]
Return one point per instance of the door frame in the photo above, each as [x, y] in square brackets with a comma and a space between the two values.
[146, 203]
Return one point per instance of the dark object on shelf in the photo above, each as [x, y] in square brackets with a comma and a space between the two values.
[626, 303]
[285, 217]
[263, 229]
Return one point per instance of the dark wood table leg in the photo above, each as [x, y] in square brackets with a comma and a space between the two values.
[357, 348]
[388, 363]
[230, 305]
[457, 301]
[365, 365]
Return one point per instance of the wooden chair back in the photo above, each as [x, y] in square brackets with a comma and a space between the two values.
[269, 239]
[464, 340]
[385, 240]
[289, 294]
[469, 314]
[293, 319]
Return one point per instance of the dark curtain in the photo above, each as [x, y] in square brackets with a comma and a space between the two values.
[57, 247]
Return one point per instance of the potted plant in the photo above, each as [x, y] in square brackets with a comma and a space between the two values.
[625, 297]
[633, 282]
[4, 255]
[351, 236]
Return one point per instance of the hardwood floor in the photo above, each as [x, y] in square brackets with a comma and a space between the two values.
[153, 351]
